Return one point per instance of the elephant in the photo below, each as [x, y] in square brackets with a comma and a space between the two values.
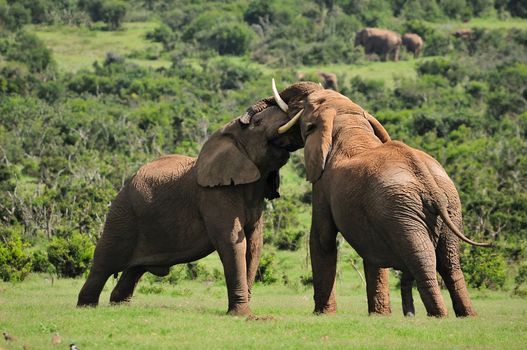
[413, 43]
[382, 42]
[178, 209]
[463, 33]
[394, 204]
[329, 80]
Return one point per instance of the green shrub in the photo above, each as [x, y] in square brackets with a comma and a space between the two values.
[40, 262]
[484, 268]
[70, 256]
[520, 281]
[197, 271]
[15, 261]
[266, 269]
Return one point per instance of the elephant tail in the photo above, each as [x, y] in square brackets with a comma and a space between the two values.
[437, 200]
[441, 208]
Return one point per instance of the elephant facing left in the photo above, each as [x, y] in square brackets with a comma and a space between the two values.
[178, 209]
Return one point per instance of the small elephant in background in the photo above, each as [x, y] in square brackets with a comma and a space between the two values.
[329, 80]
[382, 42]
[178, 209]
[413, 43]
[394, 204]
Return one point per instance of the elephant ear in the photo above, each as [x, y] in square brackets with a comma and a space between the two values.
[378, 129]
[318, 143]
[222, 163]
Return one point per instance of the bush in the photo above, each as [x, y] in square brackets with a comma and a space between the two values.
[113, 13]
[40, 262]
[484, 268]
[30, 50]
[15, 261]
[70, 256]
[266, 269]
[283, 223]
[520, 281]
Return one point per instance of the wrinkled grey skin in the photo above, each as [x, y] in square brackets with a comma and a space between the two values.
[385, 43]
[178, 209]
[413, 43]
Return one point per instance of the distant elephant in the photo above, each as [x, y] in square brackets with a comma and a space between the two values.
[329, 80]
[413, 43]
[464, 33]
[178, 209]
[394, 204]
[382, 42]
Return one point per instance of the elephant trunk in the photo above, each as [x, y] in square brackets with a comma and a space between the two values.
[293, 95]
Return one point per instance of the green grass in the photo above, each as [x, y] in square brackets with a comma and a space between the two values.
[75, 48]
[488, 23]
[191, 315]
[386, 71]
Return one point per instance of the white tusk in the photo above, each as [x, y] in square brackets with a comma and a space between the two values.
[290, 123]
[283, 106]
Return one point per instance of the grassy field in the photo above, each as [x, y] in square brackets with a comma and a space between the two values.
[75, 48]
[191, 316]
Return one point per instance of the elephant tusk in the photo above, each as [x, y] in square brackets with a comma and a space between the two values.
[290, 123]
[283, 106]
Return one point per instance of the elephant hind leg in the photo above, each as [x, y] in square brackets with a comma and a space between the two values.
[449, 268]
[407, 282]
[420, 260]
[124, 289]
[378, 290]
[91, 290]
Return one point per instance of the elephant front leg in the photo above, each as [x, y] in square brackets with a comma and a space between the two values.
[254, 238]
[323, 250]
[231, 244]
[377, 289]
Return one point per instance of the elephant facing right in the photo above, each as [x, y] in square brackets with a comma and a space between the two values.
[394, 204]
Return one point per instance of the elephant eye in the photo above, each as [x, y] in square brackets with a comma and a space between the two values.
[310, 127]
[257, 122]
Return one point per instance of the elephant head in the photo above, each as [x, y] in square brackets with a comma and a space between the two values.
[248, 149]
[316, 126]
[361, 36]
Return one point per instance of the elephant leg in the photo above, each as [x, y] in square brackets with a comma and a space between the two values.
[449, 267]
[407, 282]
[124, 289]
[91, 290]
[254, 251]
[420, 260]
[230, 241]
[377, 289]
[323, 251]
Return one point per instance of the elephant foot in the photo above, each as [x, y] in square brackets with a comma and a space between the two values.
[120, 302]
[467, 313]
[327, 310]
[382, 312]
[409, 314]
[242, 310]
[81, 304]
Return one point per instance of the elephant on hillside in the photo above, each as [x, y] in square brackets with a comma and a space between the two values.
[329, 80]
[382, 42]
[394, 204]
[413, 43]
[178, 209]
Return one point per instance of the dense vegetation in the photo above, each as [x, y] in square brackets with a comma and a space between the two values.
[69, 139]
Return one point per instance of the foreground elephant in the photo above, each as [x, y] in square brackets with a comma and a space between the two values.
[394, 204]
[178, 209]
[382, 42]
[413, 43]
